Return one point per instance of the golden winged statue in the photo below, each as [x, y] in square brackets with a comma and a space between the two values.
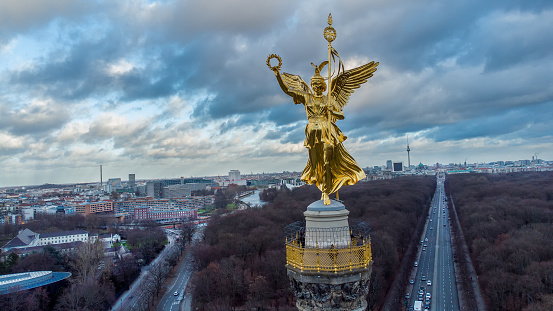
[330, 166]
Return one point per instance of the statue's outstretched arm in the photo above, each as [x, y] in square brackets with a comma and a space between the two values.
[292, 85]
[283, 85]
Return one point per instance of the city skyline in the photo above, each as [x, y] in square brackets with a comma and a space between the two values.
[175, 88]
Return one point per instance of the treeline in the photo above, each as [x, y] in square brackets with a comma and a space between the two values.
[224, 197]
[507, 221]
[242, 260]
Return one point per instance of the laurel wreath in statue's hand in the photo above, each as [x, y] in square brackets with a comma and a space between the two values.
[277, 67]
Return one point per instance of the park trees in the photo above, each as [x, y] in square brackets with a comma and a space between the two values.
[241, 261]
[506, 220]
[85, 260]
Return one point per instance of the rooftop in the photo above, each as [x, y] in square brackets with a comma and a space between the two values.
[27, 280]
[62, 233]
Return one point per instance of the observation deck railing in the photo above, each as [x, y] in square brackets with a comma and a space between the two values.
[324, 252]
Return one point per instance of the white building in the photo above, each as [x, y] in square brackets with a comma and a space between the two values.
[63, 237]
[27, 238]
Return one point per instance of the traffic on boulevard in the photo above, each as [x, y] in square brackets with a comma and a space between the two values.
[432, 282]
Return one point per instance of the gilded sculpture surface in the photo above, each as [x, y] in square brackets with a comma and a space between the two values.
[329, 166]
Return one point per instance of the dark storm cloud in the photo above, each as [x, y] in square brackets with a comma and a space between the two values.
[240, 121]
[186, 19]
[416, 35]
[287, 112]
[21, 16]
[37, 119]
[83, 71]
[294, 134]
[504, 123]
[227, 57]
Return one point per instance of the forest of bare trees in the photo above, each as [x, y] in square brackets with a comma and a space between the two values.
[507, 221]
[242, 260]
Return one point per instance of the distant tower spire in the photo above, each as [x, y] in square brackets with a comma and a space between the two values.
[408, 156]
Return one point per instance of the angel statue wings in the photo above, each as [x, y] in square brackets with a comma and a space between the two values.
[329, 166]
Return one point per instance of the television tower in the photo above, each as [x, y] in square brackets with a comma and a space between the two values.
[408, 156]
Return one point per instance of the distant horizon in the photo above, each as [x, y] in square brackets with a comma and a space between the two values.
[161, 88]
[244, 173]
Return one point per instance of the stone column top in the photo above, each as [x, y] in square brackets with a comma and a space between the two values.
[319, 206]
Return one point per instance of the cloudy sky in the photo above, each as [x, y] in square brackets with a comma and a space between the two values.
[181, 88]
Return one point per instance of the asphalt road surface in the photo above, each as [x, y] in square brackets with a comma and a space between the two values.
[435, 260]
[130, 299]
[170, 301]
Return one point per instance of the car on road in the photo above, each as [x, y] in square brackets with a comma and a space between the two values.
[431, 228]
[426, 239]
[428, 295]
[429, 283]
[430, 219]
[176, 293]
[416, 264]
[407, 296]
[420, 297]
[411, 281]
[424, 248]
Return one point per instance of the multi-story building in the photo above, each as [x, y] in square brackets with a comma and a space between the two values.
[112, 184]
[234, 176]
[127, 207]
[30, 212]
[15, 219]
[28, 239]
[182, 191]
[154, 189]
[63, 237]
[144, 213]
[94, 207]
[132, 180]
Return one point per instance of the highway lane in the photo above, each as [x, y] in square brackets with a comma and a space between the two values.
[445, 289]
[435, 260]
[170, 302]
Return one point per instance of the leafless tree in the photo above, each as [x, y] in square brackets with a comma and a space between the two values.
[186, 231]
[88, 296]
[157, 275]
[173, 254]
[84, 261]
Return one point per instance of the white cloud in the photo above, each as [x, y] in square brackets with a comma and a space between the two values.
[8, 141]
[118, 68]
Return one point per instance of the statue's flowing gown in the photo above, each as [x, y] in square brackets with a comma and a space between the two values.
[318, 131]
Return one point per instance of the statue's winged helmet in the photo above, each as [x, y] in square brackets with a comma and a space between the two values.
[317, 76]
